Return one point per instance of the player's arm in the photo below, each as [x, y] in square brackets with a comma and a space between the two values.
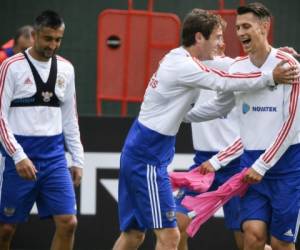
[193, 73]
[284, 138]
[228, 154]
[24, 166]
[214, 108]
[71, 131]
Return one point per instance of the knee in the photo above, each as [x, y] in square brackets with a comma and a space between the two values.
[66, 224]
[169, 238]
[183, 222]
[7, 231]
[137, 237]
[254, 238]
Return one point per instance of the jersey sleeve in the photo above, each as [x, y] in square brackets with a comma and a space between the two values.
[225, 156]
[7, 81]
[288, 131]
[195, 74]
[70, 125]
[212, 109]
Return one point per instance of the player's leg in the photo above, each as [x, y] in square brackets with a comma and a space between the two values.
[255, 215]
[238, 237]
[233, 207]
[17, 198]
[129, 240]
[239, 240]
[7, 232]
[146, 201]
[285, 204]
[156, 208]
[232, 221]
[255, 235]
[65, 226]
[56, 199]
[281, 245]
[183, 221]
[131, 226]
[167, 238]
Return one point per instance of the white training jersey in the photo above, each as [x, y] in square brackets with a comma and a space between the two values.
[216, 134]
[269, 118]
[173, 89]
[16, 81]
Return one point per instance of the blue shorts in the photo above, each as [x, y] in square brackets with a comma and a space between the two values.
[232, 207]
[53, 191]
[277, 203]
[145, 196]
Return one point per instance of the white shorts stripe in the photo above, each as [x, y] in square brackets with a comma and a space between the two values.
[157, 199]
[297, 226]
[149, 184]
[2, 167]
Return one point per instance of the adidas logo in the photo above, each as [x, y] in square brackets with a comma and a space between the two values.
[289, 233]
[28, 81]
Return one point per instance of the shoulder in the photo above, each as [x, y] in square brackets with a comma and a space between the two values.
[239, 62]
[64, 63]
[240, 59]
[281, 55]
[180, 61]
[220, 63]
[14, 62]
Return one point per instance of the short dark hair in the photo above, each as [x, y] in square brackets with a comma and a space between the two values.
[24, 31]
[198, 20]
[48, 18]
[258, 9]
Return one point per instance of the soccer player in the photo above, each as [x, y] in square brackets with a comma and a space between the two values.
[38, 119]
[23, 39]
[145, 193]
[271, 206]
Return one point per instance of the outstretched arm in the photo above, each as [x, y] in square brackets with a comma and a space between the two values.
[224, 157]
[212, 109]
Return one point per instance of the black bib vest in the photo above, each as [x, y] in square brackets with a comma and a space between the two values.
[45, 94]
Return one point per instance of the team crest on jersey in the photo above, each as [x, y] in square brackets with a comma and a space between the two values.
[9, 211]
[171, 215]
[47, 96]
[60, 80]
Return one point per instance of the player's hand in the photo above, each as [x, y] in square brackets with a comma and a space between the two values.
[285, 73]
[76, 174]
[26, 169]
[290, 50]
[206, 168]
[252, 176]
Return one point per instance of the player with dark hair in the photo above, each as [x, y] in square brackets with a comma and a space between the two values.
[38, 119]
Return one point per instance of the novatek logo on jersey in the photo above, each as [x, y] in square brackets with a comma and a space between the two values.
[246, 108]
